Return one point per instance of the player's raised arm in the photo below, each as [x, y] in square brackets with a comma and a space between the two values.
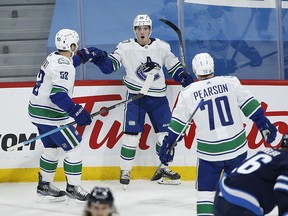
[100, 58]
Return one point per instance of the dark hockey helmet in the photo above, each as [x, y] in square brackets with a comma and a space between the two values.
[284, 143]
[101, 195]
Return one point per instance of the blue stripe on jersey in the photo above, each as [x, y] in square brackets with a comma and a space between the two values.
[246, 102]
[223, 140]
[223, 153]
[240, 198]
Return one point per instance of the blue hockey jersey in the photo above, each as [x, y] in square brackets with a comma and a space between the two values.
[260, 183]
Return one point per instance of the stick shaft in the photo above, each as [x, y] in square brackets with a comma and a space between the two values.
[74, 122]
[179, 33]
[187, 123]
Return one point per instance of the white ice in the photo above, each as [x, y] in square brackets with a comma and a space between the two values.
[142, 197]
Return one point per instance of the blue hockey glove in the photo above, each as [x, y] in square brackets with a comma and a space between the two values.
[80, 115]
[86, 54]
[92, 54]
[268, 130]
[165, 154]
[254, 56]
[183, 77]
[99, 57]
[187, 79]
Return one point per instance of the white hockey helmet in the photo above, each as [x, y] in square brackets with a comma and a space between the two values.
[142, 20]
[203, 64]
[65, 38]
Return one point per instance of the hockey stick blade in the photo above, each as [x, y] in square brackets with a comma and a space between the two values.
[157, 175]
[144, 90]
[147, 84]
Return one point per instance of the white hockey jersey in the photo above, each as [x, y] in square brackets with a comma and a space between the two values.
[57, 74]
[219, 128]
[139, 60]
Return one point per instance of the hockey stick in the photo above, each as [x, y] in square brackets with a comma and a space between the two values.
[178, 31]
[148, 82]
[237, 67]
[157, 175]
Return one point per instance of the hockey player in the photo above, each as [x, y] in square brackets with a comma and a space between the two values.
[221, 137]
[256, 186]
[100, 203]
[140, 56]
[49, 107]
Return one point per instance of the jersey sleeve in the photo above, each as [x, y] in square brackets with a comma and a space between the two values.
[246, 101]
[281, 193]
[180, 115]
[116, 56]
[171, 62]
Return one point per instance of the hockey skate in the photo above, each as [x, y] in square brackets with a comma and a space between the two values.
[166, 176]
[47, 192]
[77, 193]
[124, 178]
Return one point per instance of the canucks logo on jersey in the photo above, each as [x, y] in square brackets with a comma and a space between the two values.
[146, 67]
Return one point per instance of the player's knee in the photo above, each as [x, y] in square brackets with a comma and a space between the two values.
[131, 139]
[51, 154]
[74, 154]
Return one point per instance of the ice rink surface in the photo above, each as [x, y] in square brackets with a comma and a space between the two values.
[142, 198]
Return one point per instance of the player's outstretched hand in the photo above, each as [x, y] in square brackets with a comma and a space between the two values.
[165, 154]
[80, 115]
[268, 130]
[92, 54]
[86, 54]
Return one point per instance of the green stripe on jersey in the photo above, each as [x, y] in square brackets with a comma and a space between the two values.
[137, 88]
[46, 112]
[223, 146]
[250, 107]
[55, 90]
[114, 62]
[176, 126]
[174, 69]
[128, 85]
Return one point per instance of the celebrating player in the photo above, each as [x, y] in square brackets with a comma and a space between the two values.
[221, 137]
[140, 56]
[100, 203]
[257, 186]
[50, 106]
